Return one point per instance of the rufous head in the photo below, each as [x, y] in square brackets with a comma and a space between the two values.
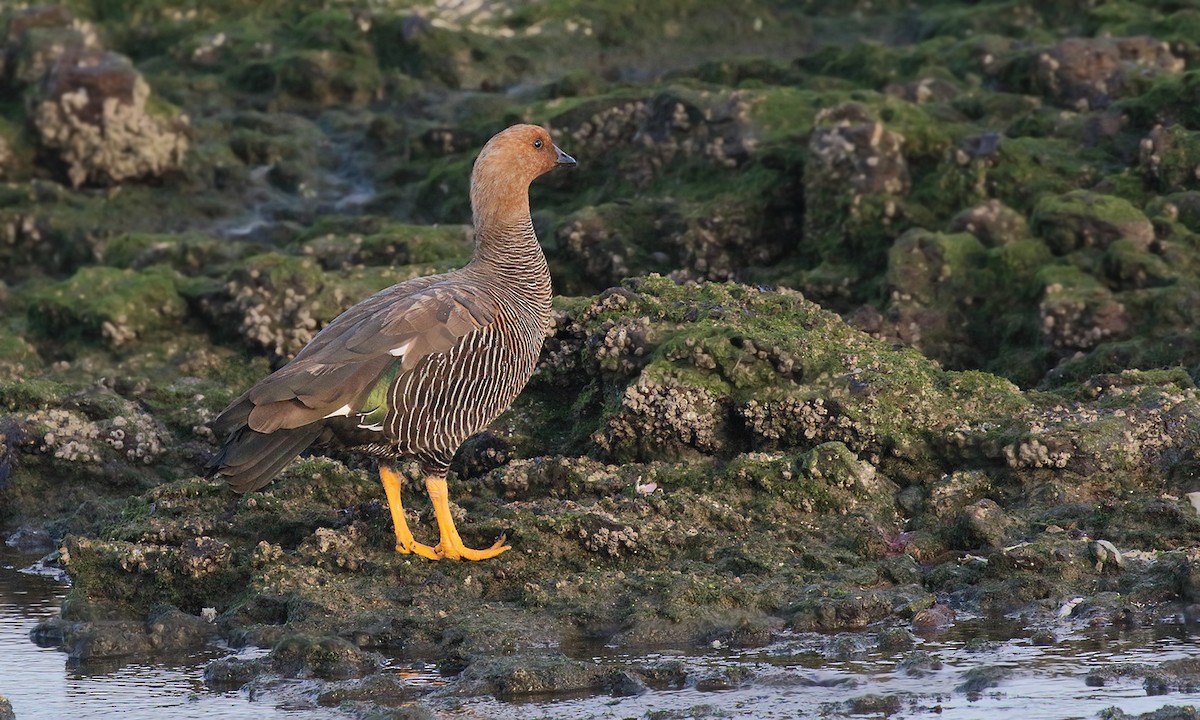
[506, 166]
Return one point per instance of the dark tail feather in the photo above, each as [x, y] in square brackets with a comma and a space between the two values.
[250, 459]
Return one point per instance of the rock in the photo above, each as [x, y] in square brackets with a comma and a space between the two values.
[1081, 219]
[925, 90]
[983, 524]
[278, 302]
[1089, 73]
[930, 278]
[854, 175]
[174, 631]
[1169, 158]
[117, 307]
[30, 538]
[531, 676]
[993, 224]
[202, 556]
[321, 657]
[722, 238]
[1184, 207]
[662, 420]
[167, 631]
[1166, 712]
[608, 243]
[37, 38]
[106, 639]
[919, 663]
[895, 639]
[949, 495]
[1044, 638]
[1080, 317]
[92, 114]
[664, 675]
[335, 549]
[232, 673]
[728, 678]
[980, 678]
[664, 128]
[856, 610]
[935, 617]
[875, 704]
[6, 711]
[375, 241]
[388, 689]
[6, 157]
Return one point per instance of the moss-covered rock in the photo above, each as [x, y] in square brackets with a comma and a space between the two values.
[1089, 73]
[855, 176]
[931, 279]
[107, 304]
[327, 657]
[1081, 220]
[697, 463]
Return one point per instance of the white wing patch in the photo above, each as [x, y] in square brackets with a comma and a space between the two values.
[402, 349]
[343, 411]
[377, 427]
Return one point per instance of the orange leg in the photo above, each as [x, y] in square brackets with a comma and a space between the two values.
[451, 545]
[405, 542]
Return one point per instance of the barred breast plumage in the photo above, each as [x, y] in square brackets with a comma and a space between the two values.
[419, 367]
[453, 395]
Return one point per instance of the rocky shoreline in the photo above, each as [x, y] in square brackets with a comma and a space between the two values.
[888, 325]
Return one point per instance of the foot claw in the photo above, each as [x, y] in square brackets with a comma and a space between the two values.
[420, 549]
[462, 552]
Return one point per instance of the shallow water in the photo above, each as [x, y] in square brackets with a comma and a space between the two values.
[803, 674]
[42, 684]
[796, 677]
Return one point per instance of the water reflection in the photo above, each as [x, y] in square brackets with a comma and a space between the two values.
[42, 684]
[800, 674]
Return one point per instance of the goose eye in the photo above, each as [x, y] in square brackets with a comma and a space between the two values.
[538, 143]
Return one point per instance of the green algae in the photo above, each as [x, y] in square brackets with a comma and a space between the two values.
[1082, 219]
[375, 241]
[114, 305]
[843, 478]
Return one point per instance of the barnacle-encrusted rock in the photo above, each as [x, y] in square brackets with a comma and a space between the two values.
[1079, 317]
[279, 302]
[854, 175]
[983, 524]
[92, 113]
[724, 239]
[606, 535]
[661, 419]
[545, 673]
[334, 549]
[73, 438]
[1089, 73]
[273, 301]
[1169, 158]
[612, 242]
[202, 556]
[858, 152]
[37, 38]
[925, 90]
[673, 125]
[993, 223]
